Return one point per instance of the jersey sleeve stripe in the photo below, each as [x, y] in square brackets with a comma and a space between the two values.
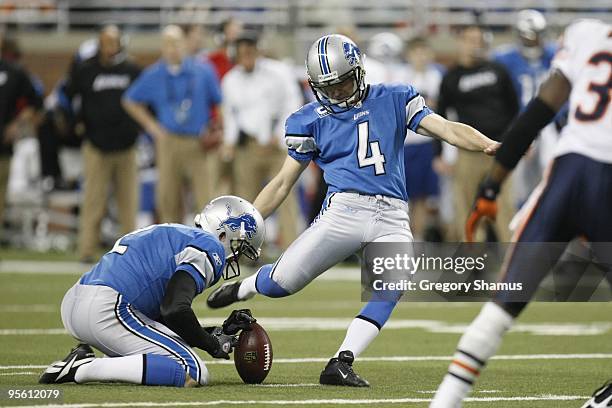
[414, 106]
[196, 248]
[298, 134]
[301, 144]
[199, 260]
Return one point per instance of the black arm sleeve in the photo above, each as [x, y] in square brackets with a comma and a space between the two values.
[523, 131]
[177, 314]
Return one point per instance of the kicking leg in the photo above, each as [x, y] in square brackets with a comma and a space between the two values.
[329, 240]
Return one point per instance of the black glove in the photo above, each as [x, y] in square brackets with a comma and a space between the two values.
[488, 189]
[238, 320]
[225, 343]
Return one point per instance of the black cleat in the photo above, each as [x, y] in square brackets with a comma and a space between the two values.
[64, 371]
[602, 397]
[224, 295]
[339, 371]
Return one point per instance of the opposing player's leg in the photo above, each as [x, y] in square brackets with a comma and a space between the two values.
[142, 351]
[550, 220]
[335, 235]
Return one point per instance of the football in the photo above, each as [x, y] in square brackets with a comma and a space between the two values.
[253, 355]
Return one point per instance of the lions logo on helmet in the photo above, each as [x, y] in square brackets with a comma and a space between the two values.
[239, 227]
[246, 220]
[351, 53]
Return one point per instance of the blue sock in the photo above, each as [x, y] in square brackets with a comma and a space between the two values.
[162, 370]
[266, 286]
[379, 308]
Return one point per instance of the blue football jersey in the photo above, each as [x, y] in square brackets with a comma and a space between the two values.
[360, 150]
[142, 262]
[526, 76]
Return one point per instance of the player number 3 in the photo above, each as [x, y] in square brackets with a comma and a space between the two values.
[377, 159]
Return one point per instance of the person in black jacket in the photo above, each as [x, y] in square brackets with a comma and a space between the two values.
[19, 103]
[109, 152]
[479, 93]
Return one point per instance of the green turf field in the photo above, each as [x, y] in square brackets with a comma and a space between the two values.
[404, 365]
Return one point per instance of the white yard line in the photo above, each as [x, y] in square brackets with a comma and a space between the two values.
[309, 402]
[43, 267]
[19, 373]
[14, 308]
[473, 392]
[394, 359]
[340, 324]
[340, 274]
[286, 385]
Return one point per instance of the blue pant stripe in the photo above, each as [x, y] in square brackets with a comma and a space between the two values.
[181, 352]
[324, 208]
[191, 355]
[137, 334]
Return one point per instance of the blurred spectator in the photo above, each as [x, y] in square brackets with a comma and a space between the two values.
[62, 126]
[109, 155]
[528, 62]
[19, 102]
[223, 57]
[478, 93]
[422, 182]
[383, 62]
[182, 92]
[194, 37]
[259, 94]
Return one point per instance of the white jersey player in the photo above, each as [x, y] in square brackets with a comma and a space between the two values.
[574, 200]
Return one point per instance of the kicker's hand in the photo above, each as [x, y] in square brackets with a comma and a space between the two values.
[225, 343]
[238, 320]
[492, 148]
[485, 205]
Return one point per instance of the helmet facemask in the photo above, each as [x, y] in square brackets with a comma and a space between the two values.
[238, 247]
[337, 95]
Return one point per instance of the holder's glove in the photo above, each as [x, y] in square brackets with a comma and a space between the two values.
[225, 343]
[238, 320]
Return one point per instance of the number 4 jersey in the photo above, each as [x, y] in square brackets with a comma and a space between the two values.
[585, 58]
[360, 150]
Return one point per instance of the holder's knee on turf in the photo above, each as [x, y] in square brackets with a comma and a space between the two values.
[266, 286]
[162, 370]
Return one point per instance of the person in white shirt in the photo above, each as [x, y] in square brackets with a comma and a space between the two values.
[258, 95]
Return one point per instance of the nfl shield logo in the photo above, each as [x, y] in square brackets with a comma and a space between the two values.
[250, 356]
[351, 53]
